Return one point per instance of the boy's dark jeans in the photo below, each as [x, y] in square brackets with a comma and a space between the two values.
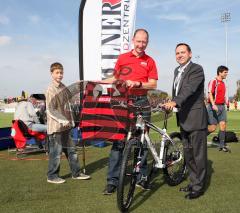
[58, 142]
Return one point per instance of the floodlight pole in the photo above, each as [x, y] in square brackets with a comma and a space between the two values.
[225, 18]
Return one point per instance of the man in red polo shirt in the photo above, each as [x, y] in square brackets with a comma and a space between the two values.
[138, 70]
[216, 108]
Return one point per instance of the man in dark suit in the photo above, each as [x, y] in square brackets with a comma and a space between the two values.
[188, 99]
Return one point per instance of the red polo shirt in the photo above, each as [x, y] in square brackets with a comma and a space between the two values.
[130, 67]
[218, 89]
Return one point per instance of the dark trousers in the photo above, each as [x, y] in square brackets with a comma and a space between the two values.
[114, 165]
[115, 160]
[195, 153]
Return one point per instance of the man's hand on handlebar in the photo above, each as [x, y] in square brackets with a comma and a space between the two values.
[132, 84]
[160, 108]
[169, 105]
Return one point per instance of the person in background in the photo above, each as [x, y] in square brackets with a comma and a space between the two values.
[217, 98]
[235, 105]
[25, 111]
[228, 105]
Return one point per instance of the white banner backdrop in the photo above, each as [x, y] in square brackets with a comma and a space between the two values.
[108, 27]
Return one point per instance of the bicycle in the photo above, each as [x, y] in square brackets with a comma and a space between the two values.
[170, 157]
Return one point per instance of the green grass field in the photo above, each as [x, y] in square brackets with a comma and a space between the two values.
[24, 188]
[5, 119]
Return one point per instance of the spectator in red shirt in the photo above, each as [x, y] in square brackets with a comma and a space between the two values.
[216, 108]
[138, 70]
[235, 104]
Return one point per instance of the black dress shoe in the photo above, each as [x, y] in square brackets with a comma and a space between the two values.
[194, 194]
[186, 189]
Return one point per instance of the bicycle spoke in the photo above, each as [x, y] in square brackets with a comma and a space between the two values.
[175, 166]
[128, 177]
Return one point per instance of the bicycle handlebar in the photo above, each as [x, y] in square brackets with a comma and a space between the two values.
[158, 108]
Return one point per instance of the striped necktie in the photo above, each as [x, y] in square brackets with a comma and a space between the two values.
[177, 81]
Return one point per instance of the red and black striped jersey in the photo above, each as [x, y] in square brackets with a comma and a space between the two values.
[104, 114]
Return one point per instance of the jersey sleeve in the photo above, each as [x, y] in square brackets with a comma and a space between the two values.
[211, 86]
[153, 74]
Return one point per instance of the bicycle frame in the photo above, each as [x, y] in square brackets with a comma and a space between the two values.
[169, 157]
[143, 125]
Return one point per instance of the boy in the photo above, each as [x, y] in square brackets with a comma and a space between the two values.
[59, 123]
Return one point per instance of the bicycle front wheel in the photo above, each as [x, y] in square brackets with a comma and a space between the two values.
[175, 169]
[128, 175]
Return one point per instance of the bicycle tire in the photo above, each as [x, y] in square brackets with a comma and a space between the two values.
[174, 173]
[128, 176]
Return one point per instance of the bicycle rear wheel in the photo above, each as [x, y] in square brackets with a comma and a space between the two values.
[128, 175]
[174, 172]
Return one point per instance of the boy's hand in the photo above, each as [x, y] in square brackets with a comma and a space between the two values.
[65, 123]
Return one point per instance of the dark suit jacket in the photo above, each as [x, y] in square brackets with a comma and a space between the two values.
[192, 114]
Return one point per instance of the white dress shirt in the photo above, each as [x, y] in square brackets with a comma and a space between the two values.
[179, 76]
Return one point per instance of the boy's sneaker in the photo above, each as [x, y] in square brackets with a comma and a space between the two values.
[143, 185]
[109, 189]
[56, 180]
[81, 176]
[226, 149]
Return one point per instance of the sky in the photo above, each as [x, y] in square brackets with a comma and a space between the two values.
[34, 34]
